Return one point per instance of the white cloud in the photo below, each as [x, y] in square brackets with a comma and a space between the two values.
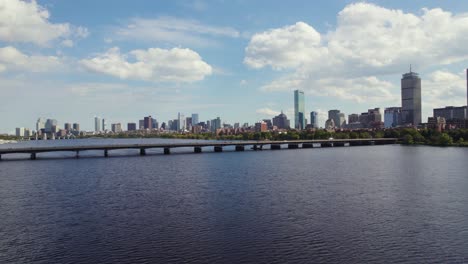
[154, 64]
[26, 21]
[368, 42]
[267, 111]
[174, 31]
[13, 59]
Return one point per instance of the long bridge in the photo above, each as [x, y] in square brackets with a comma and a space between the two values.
[197, 146]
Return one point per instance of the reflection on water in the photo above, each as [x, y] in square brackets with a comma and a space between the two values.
[343, 205]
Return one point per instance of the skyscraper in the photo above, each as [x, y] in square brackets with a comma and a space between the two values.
[97, 124]
[195, 119]
[40, 124]
[281, 121]
[392, 117]
[104, 124]
[314, 119]
[338, 118]
[299, 111]
[411, 99]
[148, 122]
[180, 122]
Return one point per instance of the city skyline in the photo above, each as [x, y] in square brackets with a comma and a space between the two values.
[224, 61]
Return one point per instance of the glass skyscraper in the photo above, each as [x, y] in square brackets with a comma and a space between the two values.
[299, 117]
[314, 119]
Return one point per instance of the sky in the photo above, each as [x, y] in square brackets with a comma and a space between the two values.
[240, 60]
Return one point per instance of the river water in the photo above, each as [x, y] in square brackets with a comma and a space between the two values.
[373, 204]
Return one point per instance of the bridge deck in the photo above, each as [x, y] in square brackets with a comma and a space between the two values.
[182, 145]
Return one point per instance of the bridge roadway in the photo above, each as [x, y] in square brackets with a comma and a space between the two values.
[217, 146]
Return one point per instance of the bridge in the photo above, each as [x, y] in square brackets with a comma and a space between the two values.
[197, 146]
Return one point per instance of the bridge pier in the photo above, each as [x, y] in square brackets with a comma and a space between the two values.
[218, 149]
[106, 153]
[326, 145]
[0, 157]
[293, 146]
[33, 156]
[240, 148]
[167, 151]
[339, 144]
[307, 145]
[355, 143]
[142, 152]
[77, 154]
[197, 149]
[275, 146]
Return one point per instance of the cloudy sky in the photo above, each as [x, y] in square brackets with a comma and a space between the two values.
[239, 59]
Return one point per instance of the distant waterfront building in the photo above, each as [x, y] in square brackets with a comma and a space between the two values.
[215, 124]
[299, 112]
[154, 123]
[116, 128]
[411, 99]
[314, 119]
[97, 124]
[392, 117]
[68, 127]
[353, 118]
[131, 127]
[76, 126]
[330, 124]
[141, 124]
[51, 126]
[467, 87]
[180, 122]
[188, 123]
[281, 121]
[268, 123]
[40, 124]
[20, 131]
[148, 122]
[451, 112]
[104, 124]
[195, 120]
[261, 127]
[338, 118]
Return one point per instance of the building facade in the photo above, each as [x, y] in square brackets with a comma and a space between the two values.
[97, 124]
[392, 117]
[411, 99]
[451, 112]
[314, 119]
[299, 117]
[338, 118]
[281, 121]
[195, 120]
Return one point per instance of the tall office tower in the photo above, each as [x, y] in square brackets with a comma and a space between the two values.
[411, 98]
[20, 131]
[40, 124]
[314, 119]
[281, 121]
[215, 124]
[141, 124]
[51, 126]
[180, 122]
[299, 111]
[195, 120]
[97, 124]
[104, 124]
[148, 122]
[131, 126]
[392, 117]
[353, 118]
[67, 126]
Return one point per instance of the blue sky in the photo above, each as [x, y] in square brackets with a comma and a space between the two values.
[240, 60]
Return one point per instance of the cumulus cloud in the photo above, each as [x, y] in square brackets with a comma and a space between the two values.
[367, 43]
[173, 30]
[13, 59]
[28, 22]
[154, 64]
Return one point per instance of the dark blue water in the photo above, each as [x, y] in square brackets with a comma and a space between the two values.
[377, 204]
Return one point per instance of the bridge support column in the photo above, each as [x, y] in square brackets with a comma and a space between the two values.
[275, 146]
[0, 157]
[326, 145]
[33, 156]
[197, 149]
[77, 154]
[142, 152]
[339, 144]
[293, 146]
[106, 153]
[355, 143]
[167, 151]
[218, 149]
[240, 148]
[307, 145]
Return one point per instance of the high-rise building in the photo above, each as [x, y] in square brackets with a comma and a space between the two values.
[141, 124]
[215, 124]
[40, 124]
[353, 118]
[188, 123]
[195, 120]
[51, 126]
[261, 127]
[97, 124]
[116, 128]
[154, 123]
[104, 124]
[131, 127]
[67, 127]
[299, 112]
[314, 119]
[411, 99]
[451, 112]
[338, 118]
[392, 117]
[20, 131]
[180, 122]
[281, 121]
[268, 123]
[147, 122]
[76, 126]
